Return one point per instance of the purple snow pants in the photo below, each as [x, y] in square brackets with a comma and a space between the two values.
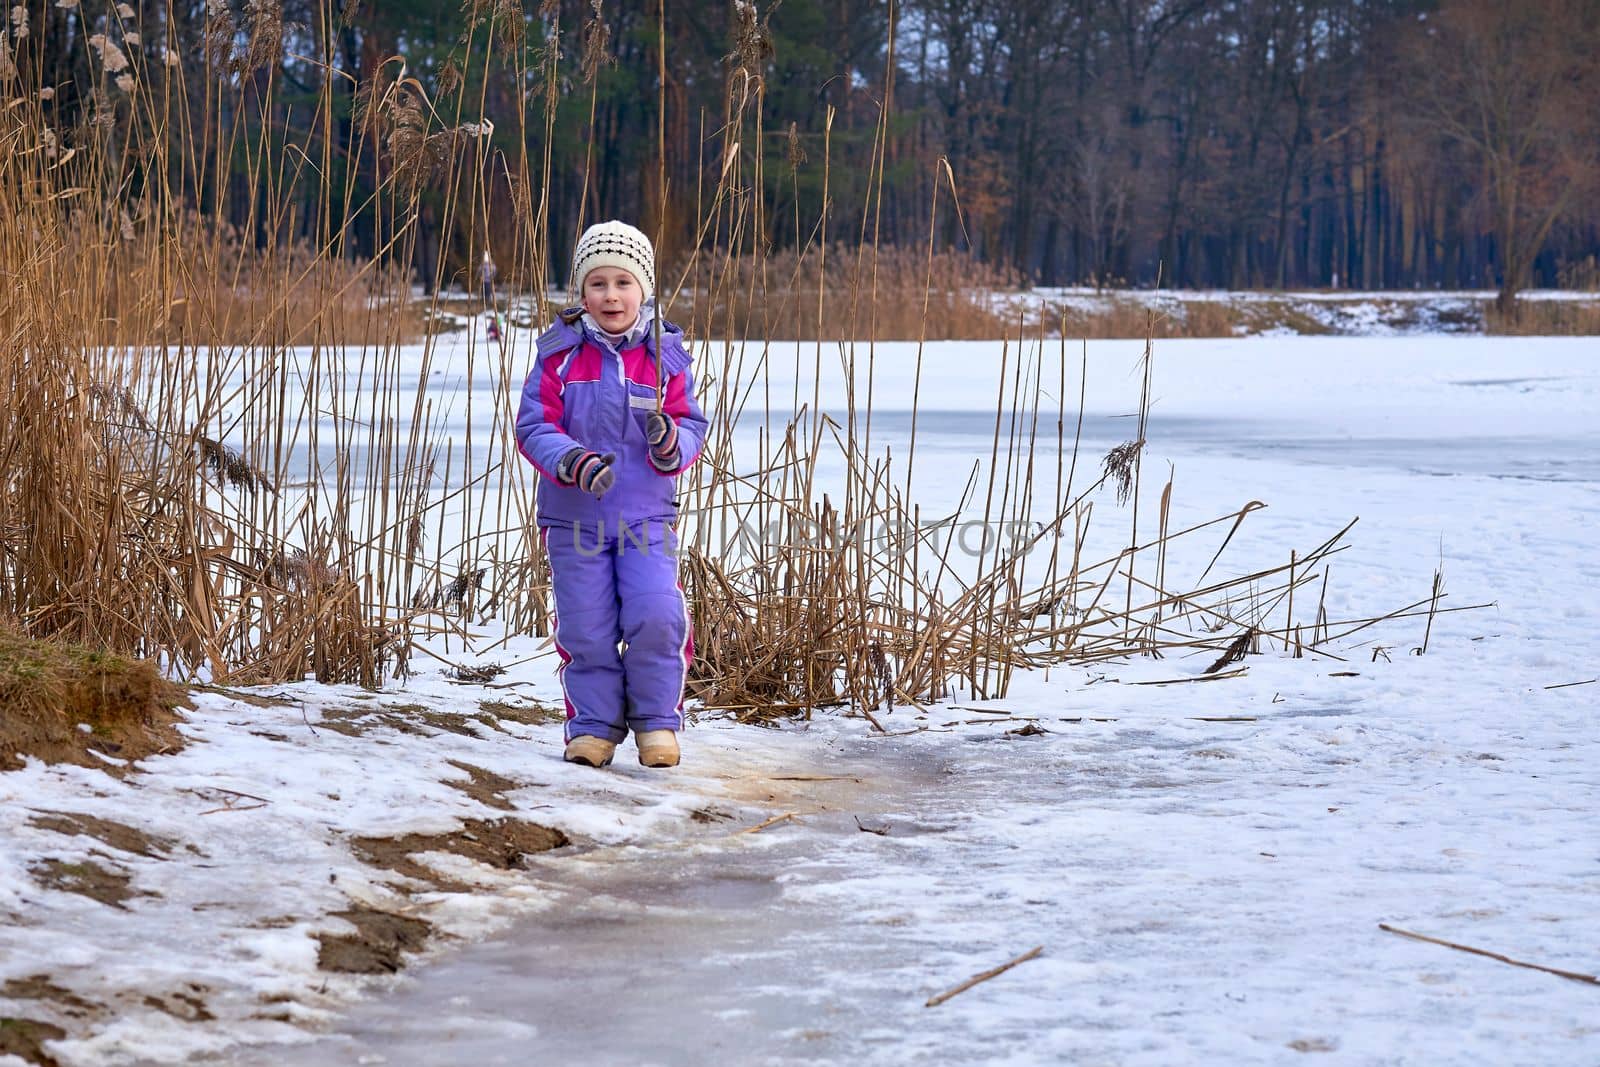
[619, 587]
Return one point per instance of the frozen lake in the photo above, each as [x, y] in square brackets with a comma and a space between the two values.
[1203, 866]
[1204, 890]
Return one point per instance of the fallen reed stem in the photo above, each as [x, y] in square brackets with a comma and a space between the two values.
[1575, 976]
[935, 1001]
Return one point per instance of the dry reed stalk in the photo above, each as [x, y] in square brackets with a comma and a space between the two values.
[1576, 976]
[173, 365]
[953, 286]
[935, 1001]
[1128, 317]
[1544, 318]
[1289, 612]
[269, 490]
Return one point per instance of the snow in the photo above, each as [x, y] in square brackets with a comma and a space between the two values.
[1204, 891]
[1341, 312]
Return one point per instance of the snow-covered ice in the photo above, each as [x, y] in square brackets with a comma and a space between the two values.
[1203, 890]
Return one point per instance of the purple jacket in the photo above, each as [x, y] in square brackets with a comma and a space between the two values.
[581, 394]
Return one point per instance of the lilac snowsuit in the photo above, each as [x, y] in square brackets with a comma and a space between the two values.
[613, 560]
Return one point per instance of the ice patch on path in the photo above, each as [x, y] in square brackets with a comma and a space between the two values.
[259, 820]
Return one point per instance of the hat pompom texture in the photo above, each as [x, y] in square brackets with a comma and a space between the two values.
[615, 244]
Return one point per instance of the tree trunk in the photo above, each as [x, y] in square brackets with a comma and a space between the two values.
[1506, 304]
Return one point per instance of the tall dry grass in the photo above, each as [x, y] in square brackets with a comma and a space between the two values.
[217, 452]
[211, 455]
[1115, 317]
[947, 296]
[849, 593]
[1543, 318]
[199, 279]
[127, 523]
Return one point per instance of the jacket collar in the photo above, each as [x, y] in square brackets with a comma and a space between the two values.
[568, 332]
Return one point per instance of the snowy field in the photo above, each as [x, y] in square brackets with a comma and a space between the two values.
[1333, 311]
[1204, 866]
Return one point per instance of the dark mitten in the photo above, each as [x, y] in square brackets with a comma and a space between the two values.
[589, 471]
[662, 434]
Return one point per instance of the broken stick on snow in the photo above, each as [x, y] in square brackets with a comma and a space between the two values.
[1574, 975]
[934, 1002]
[770, 822]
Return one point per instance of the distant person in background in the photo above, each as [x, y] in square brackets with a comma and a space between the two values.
[486, 273]
[610, 445]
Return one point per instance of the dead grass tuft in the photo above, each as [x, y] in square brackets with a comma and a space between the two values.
[132, 513]
[1119, 467]
[64, 703]
[480, 674]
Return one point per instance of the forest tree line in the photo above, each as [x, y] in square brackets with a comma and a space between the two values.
[1196, 143]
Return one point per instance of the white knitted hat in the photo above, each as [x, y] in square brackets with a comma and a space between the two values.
[615, 244]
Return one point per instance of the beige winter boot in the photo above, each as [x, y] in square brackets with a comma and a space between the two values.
[590, 750]
[657, 748]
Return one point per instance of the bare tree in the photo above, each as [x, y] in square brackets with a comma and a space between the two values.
[1514, 84]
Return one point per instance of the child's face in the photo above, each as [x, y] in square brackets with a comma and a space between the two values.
[612, 296]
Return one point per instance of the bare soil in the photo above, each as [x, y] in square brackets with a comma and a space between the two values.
[530, 713]
[498, 843]
[484, 786]
[381, 938]
[132, 718]
[191, 1009]
[117, 835]
[87, 879]
[39, 987]
[419, 720]
[66, 703]
[244, 696]
[376, 947]
[25, 1038]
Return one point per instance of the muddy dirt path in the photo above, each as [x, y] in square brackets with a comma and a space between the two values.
[709, 949]
[1204, 892]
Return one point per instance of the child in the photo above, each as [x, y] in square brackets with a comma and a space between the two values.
[609, 456]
